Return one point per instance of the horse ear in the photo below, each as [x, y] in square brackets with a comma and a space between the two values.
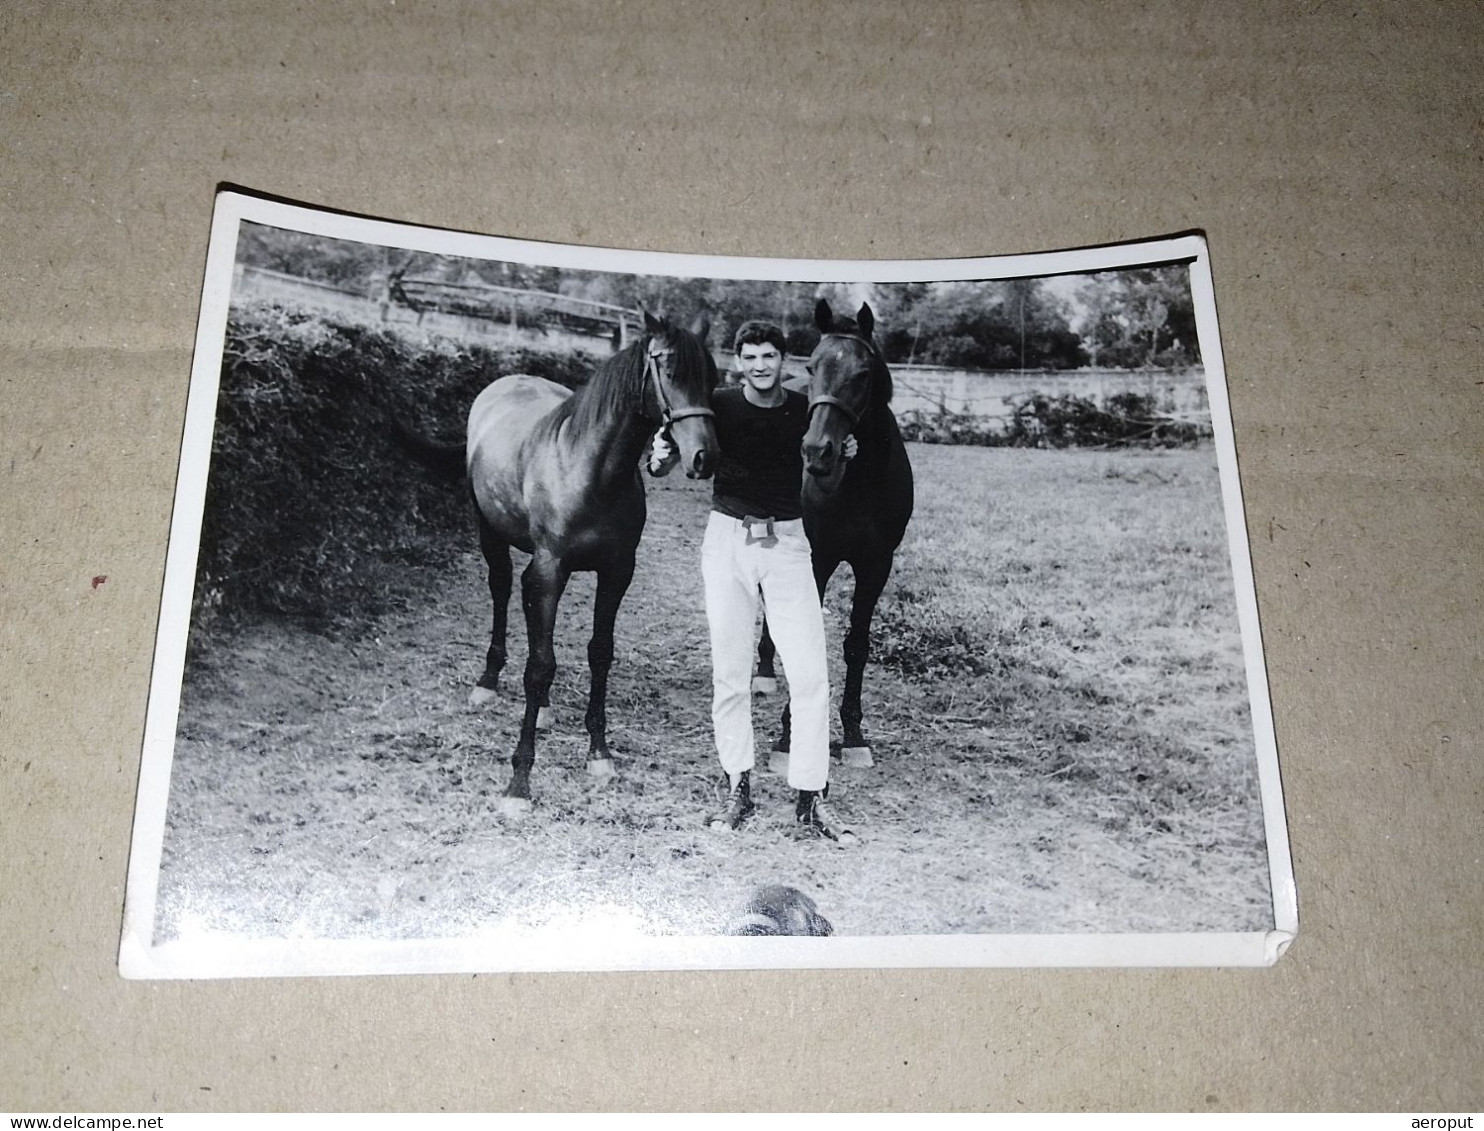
[824, 317]
[865, 321]
[701, 326]
[652, 324]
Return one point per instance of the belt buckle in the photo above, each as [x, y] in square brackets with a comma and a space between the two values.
[769, 538]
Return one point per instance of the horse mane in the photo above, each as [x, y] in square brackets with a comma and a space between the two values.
[617, 386]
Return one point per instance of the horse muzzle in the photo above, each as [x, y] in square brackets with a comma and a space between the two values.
[695, 435]
[821, 459]
[702, 464]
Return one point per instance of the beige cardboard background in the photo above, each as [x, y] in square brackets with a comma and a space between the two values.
[1330, 151]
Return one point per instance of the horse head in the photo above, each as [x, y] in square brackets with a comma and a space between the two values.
[843, 371]
[680, 375]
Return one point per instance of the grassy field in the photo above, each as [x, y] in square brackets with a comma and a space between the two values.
[1057, 702]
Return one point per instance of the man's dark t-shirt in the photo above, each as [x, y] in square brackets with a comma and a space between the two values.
[761, 468]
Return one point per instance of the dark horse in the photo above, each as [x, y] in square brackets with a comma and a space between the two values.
[855, 511]
[556, 474]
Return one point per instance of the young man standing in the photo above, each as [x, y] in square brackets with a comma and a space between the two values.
[755, 548]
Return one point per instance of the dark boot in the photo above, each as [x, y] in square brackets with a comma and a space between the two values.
[812, 817]
[739, 804]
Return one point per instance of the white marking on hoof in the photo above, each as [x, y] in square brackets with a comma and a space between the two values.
[764, 685]
[600, 768]
[515, 808]
[482, 695]
[545, 718]
[778, 763]
[857, 757]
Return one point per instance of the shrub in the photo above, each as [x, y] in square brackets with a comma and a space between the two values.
[1040, 421]
[1124, 420]
[947, 427]
[311, 508]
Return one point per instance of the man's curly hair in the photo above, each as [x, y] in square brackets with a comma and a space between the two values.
[757, 333]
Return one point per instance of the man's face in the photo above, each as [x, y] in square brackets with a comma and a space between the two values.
[761, 366]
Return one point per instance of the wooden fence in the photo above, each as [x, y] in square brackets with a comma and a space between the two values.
[457, 310]
[542, 319]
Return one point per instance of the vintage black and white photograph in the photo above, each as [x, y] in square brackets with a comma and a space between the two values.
[537, 607]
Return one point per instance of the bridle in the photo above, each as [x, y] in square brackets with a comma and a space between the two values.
[668, 415]
[825, 399]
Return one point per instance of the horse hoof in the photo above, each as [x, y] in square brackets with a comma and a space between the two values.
[482, 695]
[857, 757]
[778, 763]
[764, 685]
[600, 768]
[545, 718]
[515, 808]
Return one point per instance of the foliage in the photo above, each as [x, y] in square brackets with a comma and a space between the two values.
[981, 325]
[362, 266]
[311, 508]
[1041, 421]
[1129, 318]
[1139, 317]
[1014, 324]
[1124, 420]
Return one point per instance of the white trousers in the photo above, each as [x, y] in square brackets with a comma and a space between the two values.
[738, 566]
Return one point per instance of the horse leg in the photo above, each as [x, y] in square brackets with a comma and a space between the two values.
[497, 556]
[613, 583]
[541, 587]
[870, 580]
[765, 682]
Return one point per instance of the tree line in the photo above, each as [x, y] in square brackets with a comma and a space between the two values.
[1130, 318]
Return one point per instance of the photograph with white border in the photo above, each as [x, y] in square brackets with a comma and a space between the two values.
[463, 664]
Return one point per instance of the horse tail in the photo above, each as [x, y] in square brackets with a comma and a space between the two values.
[444, 460]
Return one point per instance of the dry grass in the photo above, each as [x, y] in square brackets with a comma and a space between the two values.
[1059, 714]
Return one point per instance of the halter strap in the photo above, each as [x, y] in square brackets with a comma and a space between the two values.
[870, 345]
[850, 413]
[668, 415]
[824, 399]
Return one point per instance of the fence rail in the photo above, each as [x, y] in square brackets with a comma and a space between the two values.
[545, 319]
[512, 305]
